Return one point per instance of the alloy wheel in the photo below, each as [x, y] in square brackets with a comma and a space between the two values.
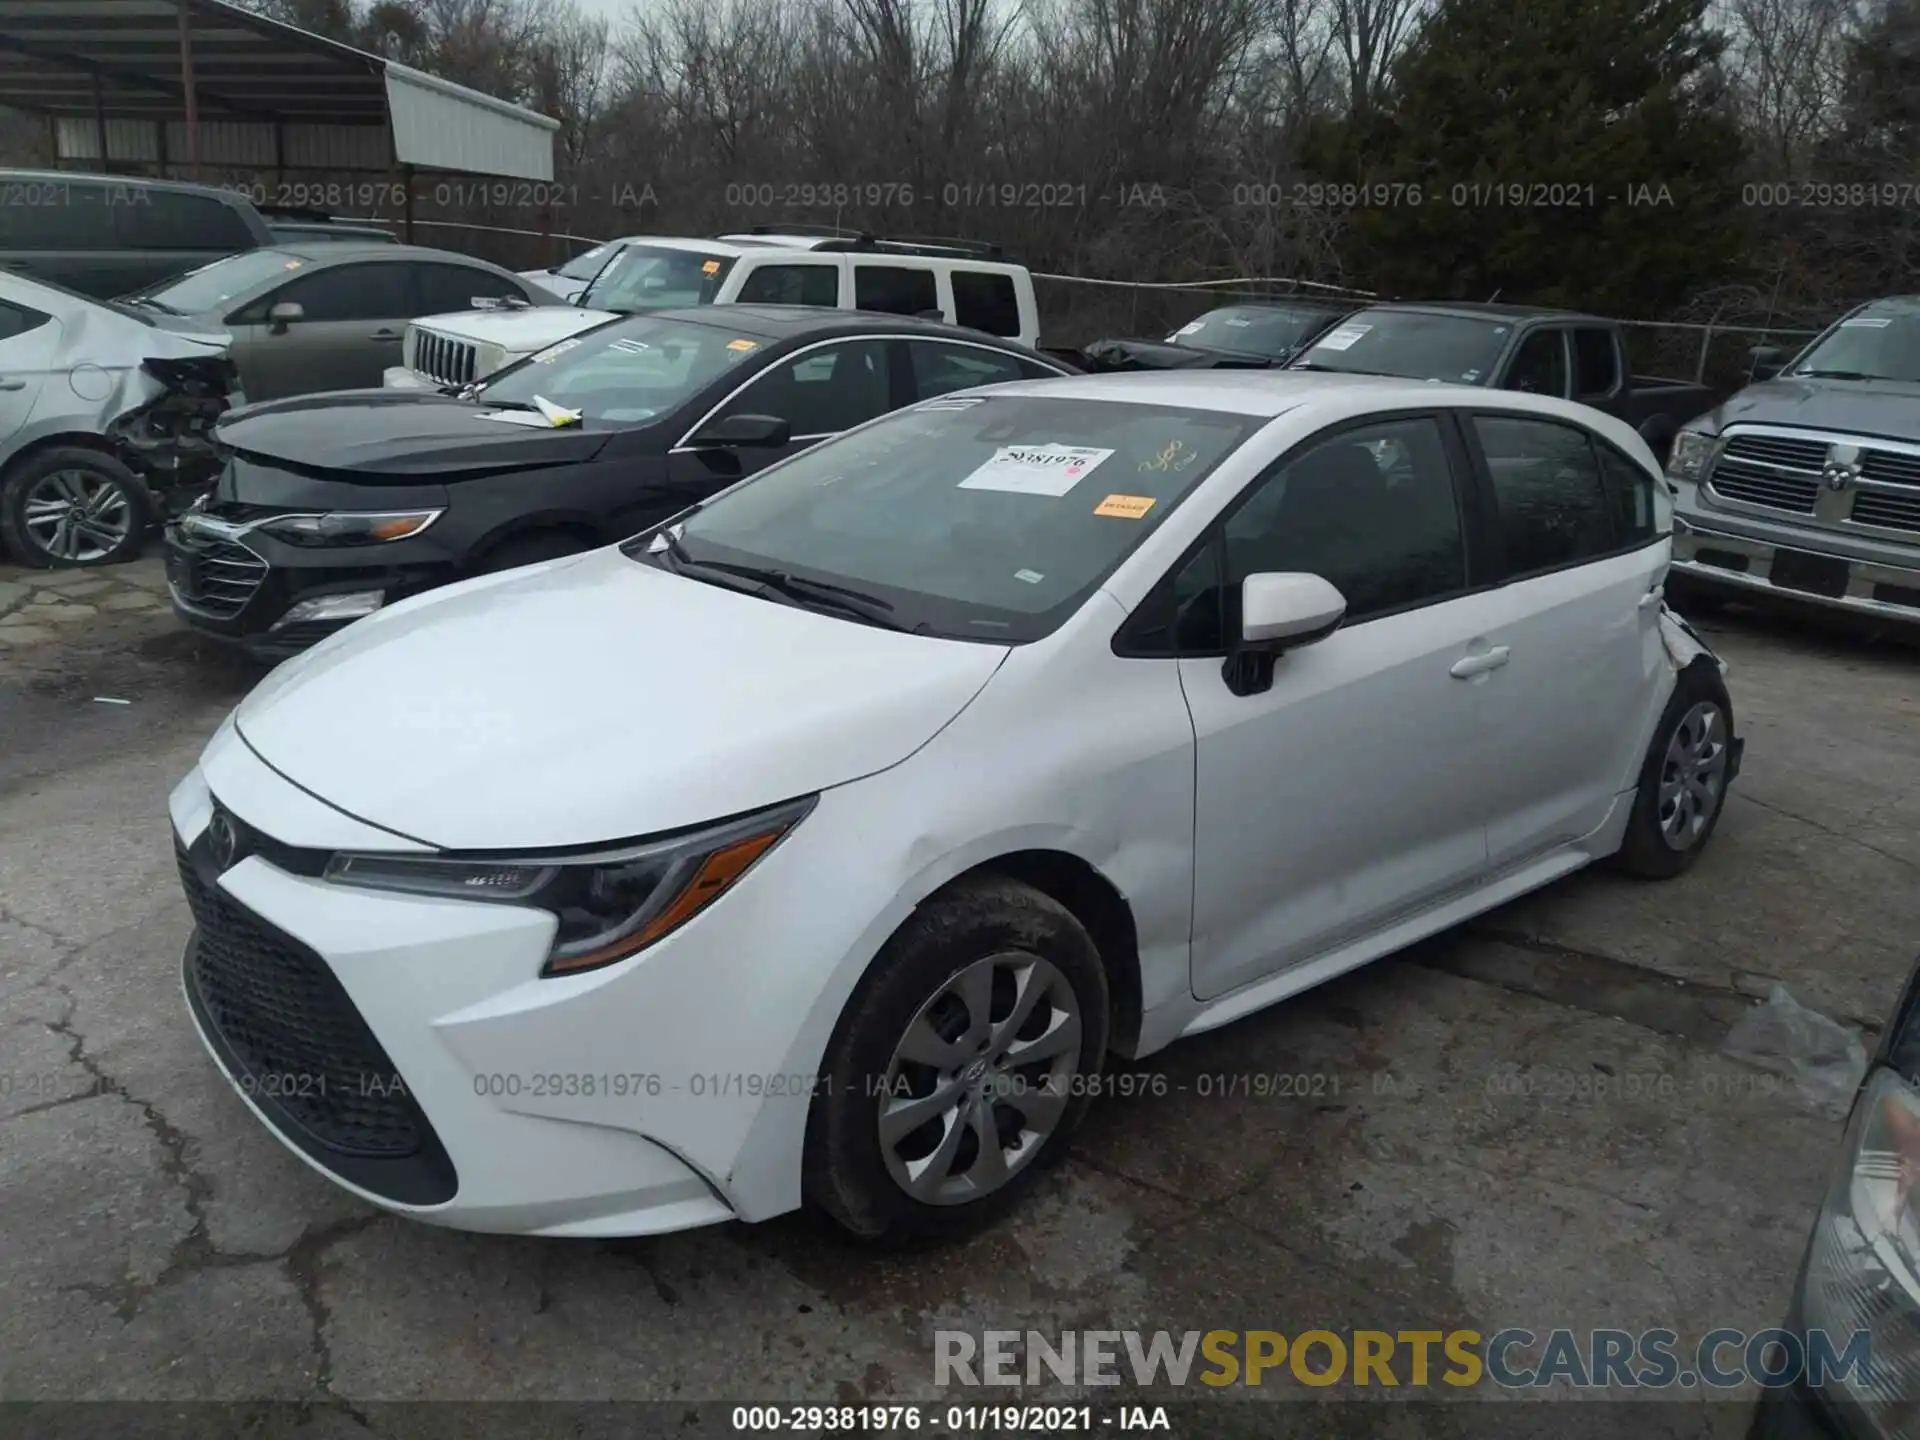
[980, 1079]
[1693, 775]
[76, 516]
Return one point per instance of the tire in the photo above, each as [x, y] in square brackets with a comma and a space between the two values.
[1669, 827]
[979, 939]
[531, 550]
[96, 491]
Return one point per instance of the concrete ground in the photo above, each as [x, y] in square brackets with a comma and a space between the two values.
[160, 1245]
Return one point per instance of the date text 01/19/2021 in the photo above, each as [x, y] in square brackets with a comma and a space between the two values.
[946, 1420]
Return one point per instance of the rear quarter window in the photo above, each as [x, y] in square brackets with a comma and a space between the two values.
[986, 300]
[146, 219]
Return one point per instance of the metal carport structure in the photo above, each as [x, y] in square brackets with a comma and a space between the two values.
[200, 89]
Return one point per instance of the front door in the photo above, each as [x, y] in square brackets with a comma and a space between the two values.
[1344, 795]
[352, 320]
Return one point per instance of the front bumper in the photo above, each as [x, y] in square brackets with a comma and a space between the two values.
[1761, 559]
[406, 1048]
[241, 591]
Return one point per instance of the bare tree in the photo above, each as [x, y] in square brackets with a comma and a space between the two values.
[1368, 35]
[1786, 60]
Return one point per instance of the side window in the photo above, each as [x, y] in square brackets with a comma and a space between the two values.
[347, 292]
[441, 289]
[168, 220]
[894, 289]
[824, 391]
[18, 320]
[1596, 364]
[1630, 492]
[791, 285]
[940, 369]
[56, 215]
[1183, 614]
[1540, 367]
[1551, 504]
[986, 300]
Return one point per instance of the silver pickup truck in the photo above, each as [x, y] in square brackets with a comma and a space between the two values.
[1806, 485]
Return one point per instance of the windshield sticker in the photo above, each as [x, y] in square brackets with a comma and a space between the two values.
[1174, 457]
[1470, 376]
[742, 346]
[1050, 469]
[624, 347]
[1866, 322]
[293, 265]
[554, 352]
[958, 402]
[1342, 338]
[1193, 328]
[1032, 577]
[1239, 324]
[712, 267]
[1125, 507]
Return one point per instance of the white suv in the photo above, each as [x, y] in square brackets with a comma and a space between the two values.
[964, 283]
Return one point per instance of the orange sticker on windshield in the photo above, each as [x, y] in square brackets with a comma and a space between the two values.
[743, 345]
[1126, 507]
[712, 267]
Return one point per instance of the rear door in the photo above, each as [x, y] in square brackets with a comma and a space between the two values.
[353, 320]
[939, 367]
[1577, 623]
[1539, 365]
[894, 288]
[28, 341]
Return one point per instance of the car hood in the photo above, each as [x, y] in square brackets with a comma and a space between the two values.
[1889, 408]
[402, 434]
[597, 698]
[519, 332]
[1166, 355]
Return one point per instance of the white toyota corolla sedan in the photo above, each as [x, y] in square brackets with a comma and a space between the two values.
[822, 843]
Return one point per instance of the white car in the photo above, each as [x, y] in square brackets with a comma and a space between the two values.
[823, 842]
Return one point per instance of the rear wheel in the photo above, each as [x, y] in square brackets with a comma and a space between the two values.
[1683, 780]
[961, 1065]
[70, 507]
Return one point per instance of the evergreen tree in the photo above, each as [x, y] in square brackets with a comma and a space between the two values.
[1871, 231]
[1568, 152]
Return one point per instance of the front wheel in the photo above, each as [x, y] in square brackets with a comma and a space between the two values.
[1684, 778]
[960, 1066]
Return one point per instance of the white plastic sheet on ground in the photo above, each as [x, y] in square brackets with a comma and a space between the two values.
[1785, 1037]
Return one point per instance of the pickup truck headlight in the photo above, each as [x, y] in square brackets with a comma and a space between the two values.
[1691, 455]
[609, 903]
[1863, 1267]
[350, 527]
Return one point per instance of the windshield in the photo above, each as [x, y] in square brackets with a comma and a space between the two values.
[1880, 341]
[585, 266]
[212, 286]
[1411, 343]
[976, 518]
[1257, 329]
[624, 370]
[644, 277]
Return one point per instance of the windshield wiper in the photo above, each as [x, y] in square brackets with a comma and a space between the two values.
[764, 579]
[1837, 375]
[147, 302]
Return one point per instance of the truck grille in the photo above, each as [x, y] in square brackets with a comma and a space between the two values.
[1889, 512]
[217, 580]
[1778, 471]
[295, 1035]
[442, 358]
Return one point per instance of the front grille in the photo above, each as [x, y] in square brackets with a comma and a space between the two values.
[292, 1031]
[1778, 471]
[1891, 467]
[444, 359]
[1887, 510]
[218, 579]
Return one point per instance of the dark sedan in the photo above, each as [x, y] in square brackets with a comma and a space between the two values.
[333, 506]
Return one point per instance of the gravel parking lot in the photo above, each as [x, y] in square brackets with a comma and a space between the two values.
[1455, 1162]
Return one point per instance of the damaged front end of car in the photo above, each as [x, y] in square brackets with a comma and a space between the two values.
[166, 434]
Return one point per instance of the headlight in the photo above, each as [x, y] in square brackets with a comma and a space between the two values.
[1691, 454]
[609, 903]
[1863, 1267]
[350, 527]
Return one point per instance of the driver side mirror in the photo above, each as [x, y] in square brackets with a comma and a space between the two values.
[1766, 361]
[744, 431]
[1279, 612]
[283, 315]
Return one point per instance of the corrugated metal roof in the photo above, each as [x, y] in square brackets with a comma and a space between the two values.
[122, 58]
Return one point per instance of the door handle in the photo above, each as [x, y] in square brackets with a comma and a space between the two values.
[1468, 666]
[13, 384]
[1653, 597]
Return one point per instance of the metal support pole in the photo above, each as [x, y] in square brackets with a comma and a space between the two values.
[186, 85]
[406, 178]
[100, 120]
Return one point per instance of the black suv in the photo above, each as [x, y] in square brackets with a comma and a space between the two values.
[333, 506]
[107, 235]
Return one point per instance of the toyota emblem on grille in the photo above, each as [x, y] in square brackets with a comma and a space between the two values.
[1842, 467]
[223, 841]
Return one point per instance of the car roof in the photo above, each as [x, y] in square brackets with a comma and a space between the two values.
[1486, 310]
[771, 322]
[145, 182]
[338, 251]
